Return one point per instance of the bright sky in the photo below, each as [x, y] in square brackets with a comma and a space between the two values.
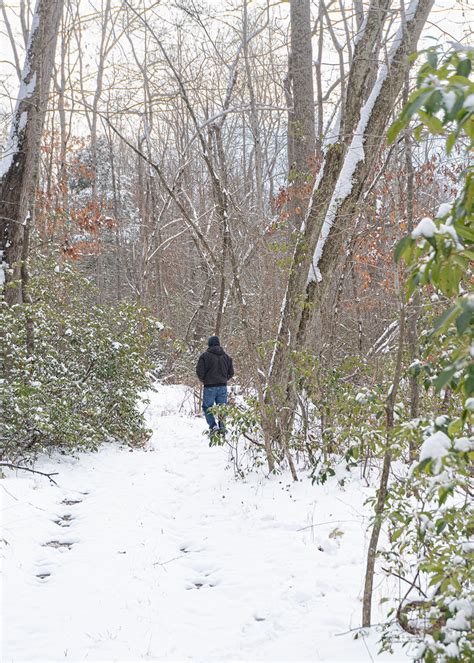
[449, 20]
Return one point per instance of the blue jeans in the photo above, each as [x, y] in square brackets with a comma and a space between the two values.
[213, 396]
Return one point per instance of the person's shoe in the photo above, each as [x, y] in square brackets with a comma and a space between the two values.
[214, 435]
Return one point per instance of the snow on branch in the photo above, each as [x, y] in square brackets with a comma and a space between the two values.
[382, 344]
[355, 152]
[20, 116]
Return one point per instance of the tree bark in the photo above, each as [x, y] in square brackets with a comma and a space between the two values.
[383, 487]
[372, 140]
[301, 118]
[413, 308]
[20, 164]
[305, 292]
[278, 391]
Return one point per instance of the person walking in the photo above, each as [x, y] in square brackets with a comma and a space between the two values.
[214, 369]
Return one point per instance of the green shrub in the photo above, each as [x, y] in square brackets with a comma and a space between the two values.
[72, 371]
[431, 518]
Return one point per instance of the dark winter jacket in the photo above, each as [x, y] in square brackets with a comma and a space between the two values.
[214, 367]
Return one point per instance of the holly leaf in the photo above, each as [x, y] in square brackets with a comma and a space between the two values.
[401, 246]
[464, 68]
[444, 377]
[395, 129]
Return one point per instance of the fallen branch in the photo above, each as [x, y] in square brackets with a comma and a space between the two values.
[327, 522]
[412, 584]
[28, 469]
[173, 559]
[422, 606]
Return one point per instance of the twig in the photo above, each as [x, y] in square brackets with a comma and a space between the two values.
[10, 494]
[367, 647]
[412, 584]
[327, 522]
[250, 439]
[173, 559]
[28, 469]
[361, 629]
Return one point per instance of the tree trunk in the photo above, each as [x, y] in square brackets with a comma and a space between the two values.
[301, 118]
[368, 138]
[383, 488]
[413, 309]
[20, 163]
[278, 390]
[339, 188]
[225, 229]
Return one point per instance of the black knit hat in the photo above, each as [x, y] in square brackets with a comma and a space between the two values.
[213, 340]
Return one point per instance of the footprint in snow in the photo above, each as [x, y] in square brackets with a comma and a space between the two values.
[44, 569]
[260, 615]
[59, 545]
[201, 583]
[203, 578]
[65, 521]
[190, 547]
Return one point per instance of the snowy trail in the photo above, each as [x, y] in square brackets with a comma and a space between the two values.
[168, 557]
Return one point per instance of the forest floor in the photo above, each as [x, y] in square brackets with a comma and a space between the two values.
[162, 554]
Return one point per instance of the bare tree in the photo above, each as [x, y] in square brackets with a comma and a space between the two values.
[336, 193]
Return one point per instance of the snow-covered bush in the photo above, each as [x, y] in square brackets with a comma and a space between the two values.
[430, 509]
[72, 371]
[338, 421]
[352, 427]
[244, 437]
[432, 546]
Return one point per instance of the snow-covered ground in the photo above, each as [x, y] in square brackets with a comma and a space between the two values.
[169, 557]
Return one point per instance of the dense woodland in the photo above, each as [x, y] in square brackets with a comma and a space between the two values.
[295, 177]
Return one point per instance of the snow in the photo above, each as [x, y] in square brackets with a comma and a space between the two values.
[449, 99]
[355, 153]
[469, 103]
[170, 557]
[444, 208]
[469, 404]
[452, 650]
[463, 444]
[26, 90]
[382, 344]
[425, 228]
[463, 605]
[418, 651]
[361, 31]
[446, 229]
[436, 446]
[3, 266]
[280, 327]
[459, 622]
[11, 147]
[34, 22]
